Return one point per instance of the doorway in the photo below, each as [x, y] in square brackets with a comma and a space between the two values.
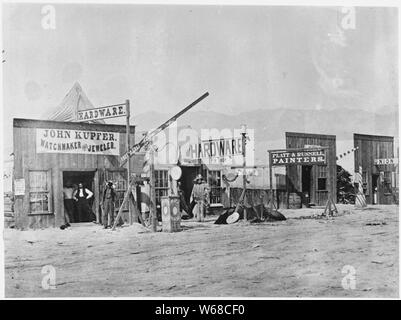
[306, 184]
[187, 181]
[375, 191]
[87, 178]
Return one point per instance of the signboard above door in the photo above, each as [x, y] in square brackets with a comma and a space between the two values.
[386, 161]
[118, 110]
[77, 141]
[306, 156]
[221, 151]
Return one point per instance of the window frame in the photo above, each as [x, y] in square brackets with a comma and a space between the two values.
[215, 187]
[387, 182]
[48, 191]
[325, 185]
[163, 190]
[322, 173]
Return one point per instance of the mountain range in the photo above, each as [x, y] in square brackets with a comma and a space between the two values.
[270, 125]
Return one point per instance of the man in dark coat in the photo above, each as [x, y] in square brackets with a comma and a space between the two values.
[109, 198]
[81, 196]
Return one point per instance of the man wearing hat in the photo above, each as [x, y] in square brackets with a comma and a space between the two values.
[109, 197]
[199, 195]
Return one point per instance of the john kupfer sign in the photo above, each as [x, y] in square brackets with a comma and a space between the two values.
[77, 141]
[118, 110]
[298, 157]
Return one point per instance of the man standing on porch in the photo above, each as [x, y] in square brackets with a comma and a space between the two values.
[81, 195]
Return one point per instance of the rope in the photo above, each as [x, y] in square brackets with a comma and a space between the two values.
[340, 156]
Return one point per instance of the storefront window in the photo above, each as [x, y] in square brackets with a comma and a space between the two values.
[214, 178]
[161, 184]
[321, 178]
[387, 182]
[39, 192]
[321, 184]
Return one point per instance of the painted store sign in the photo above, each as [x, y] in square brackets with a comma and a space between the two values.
[299, 157]
[77, 141]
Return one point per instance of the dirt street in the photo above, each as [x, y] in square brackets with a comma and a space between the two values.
[301, 256]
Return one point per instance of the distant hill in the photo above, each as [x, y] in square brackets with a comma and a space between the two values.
[270, 125]
[275, 122]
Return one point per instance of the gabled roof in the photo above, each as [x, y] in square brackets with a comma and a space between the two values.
[75, 100]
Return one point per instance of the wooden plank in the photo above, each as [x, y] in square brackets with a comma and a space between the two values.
[49, 124]
[96, 193]
[25, 160]
[19, 212]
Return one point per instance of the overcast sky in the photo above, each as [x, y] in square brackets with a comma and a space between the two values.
[163, 57]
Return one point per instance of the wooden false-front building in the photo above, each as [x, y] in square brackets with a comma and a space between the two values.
[312, 183]
[48, 154]
[375, 155]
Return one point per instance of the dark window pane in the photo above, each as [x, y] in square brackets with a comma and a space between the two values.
[321, 184]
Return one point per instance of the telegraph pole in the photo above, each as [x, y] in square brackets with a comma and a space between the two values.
[243, 133]
[152, 189]
[127, 141]
[271, 181]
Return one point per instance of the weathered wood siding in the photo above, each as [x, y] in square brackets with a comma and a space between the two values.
[26, 159]
[295, 140]
[371, 147]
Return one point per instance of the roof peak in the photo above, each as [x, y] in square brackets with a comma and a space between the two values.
[74, 101]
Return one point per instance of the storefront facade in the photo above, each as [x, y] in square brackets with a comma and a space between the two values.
[210, 157]
[48, 154]
[313, 183]
[165, 185]
[375, 155]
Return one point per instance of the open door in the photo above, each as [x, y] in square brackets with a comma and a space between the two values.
[306, 185]
[187, 181]
[88, 180]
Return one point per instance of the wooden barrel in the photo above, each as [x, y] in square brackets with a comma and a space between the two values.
[294, 201]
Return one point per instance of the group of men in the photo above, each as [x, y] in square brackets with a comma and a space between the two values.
[76, 203]
[77, 207]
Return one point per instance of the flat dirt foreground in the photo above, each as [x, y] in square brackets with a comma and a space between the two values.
[300, 257]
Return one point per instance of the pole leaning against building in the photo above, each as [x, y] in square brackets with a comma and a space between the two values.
[271, 182]
[152, 189]
[243, 134]
[127, 141]
[146, 143]
[360, 200]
